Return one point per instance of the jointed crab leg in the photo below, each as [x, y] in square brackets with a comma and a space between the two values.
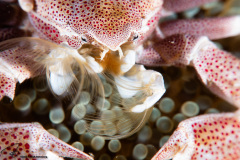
[217, 69]
[16, 66]
[214, 136]
[20, 60]
[8, 29]
[12, 71]
[210, 136]
[7, 87]
[219, 72]
[32, 140]
[213, 28]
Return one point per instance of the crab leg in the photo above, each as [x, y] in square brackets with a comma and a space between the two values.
[7, 86]
[213, 28]
[217, 69]
[214, 136]
[14, 67]
[31, 139]
[21, 59]
[181, 5]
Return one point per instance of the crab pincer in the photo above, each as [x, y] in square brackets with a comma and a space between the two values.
[19, 62]
[213, 136]
[31, 140]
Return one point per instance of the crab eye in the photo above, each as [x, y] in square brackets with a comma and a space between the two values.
[84, 39]
[135, 37]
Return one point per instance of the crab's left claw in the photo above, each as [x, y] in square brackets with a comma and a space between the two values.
[27, 57]
[214, 136]
[32, 140]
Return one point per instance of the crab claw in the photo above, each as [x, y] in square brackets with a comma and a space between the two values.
[217, 69]
[31, 140]
[12, 71]
[19, 62]
[214, 136]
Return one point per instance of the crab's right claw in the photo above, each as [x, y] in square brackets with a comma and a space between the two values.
[214, 136]
[216, 68]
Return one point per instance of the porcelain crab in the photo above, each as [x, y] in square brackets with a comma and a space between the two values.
[98, 35]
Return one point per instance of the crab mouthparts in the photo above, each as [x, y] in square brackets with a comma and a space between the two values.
[102, 55]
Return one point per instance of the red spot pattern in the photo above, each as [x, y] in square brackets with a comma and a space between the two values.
[109, 22]
[26, 136]
[203, 137]
[20, 66]
[7, 86]
[213, 28]
[173, 50]
[17, 62]
[27, 146]
[20, 61]
[219, 70]
[34, 140]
